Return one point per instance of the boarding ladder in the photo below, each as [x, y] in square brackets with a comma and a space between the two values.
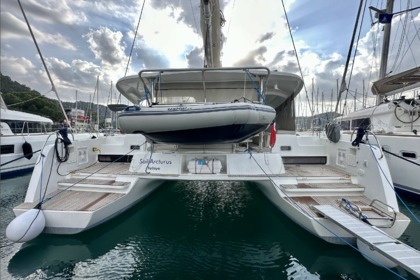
[391, 248]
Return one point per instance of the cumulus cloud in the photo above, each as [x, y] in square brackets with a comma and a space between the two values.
[14, 28]
[53, 11]
[97, 35]
[16, 66]
[253, 58]
[195, 57]
[107, 45]
[149, 58]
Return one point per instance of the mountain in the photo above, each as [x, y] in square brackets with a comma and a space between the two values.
[19, 97]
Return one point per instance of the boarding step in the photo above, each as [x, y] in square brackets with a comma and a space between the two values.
[323, 189]
[94, 184]
[377, 240]
[325, 179]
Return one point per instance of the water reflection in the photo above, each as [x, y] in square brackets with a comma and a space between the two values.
[196, 230]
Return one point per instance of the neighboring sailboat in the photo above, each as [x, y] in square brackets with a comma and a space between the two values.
[394, 123]
[307, 178]
[22, 137]
[395, 126]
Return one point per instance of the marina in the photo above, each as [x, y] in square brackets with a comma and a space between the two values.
[207, 178]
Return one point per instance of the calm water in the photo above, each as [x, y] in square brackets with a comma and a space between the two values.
[188, 231]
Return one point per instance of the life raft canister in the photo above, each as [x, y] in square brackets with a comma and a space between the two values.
[27, 150]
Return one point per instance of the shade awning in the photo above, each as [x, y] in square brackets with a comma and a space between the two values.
[391, 85]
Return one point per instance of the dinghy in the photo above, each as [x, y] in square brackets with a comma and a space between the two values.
[197, 124]
[205, 105]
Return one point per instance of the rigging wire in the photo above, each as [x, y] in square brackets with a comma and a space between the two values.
[410, 43]
[296, 204]
[43, 62]
[343, 80]
[195, 20]
[297, 58]
[132, 45]
[403, 37]
[230, 21]
[390, 184]
[134, 40]
[27, 100]
[354, 57]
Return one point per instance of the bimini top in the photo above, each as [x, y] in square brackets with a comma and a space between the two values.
[403, 81]
[175, 86]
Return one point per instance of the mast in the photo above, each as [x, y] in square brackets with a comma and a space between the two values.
[97, 104]
[385, 45]
[211, 22]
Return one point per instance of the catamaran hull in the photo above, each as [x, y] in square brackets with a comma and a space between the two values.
[404, 160]
[73, 222]
[199, 124]
[320, 227]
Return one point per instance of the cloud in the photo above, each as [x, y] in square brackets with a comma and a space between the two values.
[253, 58]
[54, 11]
[146, 57]
[96, 37]
[12, 27]
[265, 37]
[16, 66]
[106, 45]
[195, 57]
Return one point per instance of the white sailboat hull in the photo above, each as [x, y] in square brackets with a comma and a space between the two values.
[98, 192]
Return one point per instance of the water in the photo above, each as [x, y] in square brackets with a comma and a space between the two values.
[195, 230]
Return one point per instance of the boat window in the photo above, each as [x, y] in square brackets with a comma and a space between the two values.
[7, 149]
[27, 127]
[132, 108]
[411, 155]
[364, 123]
[345, 125]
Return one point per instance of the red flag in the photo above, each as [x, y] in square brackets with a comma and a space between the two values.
[273, 135]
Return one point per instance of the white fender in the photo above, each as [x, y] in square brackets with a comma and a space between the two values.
[26, 226]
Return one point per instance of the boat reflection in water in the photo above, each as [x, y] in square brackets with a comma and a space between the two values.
[225, 230]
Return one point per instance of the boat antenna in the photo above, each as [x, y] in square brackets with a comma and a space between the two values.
[45, 65]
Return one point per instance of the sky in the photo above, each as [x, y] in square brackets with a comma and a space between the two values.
[85, 40]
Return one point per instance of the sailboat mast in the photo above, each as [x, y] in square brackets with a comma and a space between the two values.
[385, 46]
[97, 104]
[211, 29]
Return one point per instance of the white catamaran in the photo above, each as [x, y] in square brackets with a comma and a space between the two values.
[320, 185]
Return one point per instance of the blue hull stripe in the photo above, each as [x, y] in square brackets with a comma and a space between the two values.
[15, 173]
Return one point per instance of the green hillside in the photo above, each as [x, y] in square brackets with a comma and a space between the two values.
[22, 98]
